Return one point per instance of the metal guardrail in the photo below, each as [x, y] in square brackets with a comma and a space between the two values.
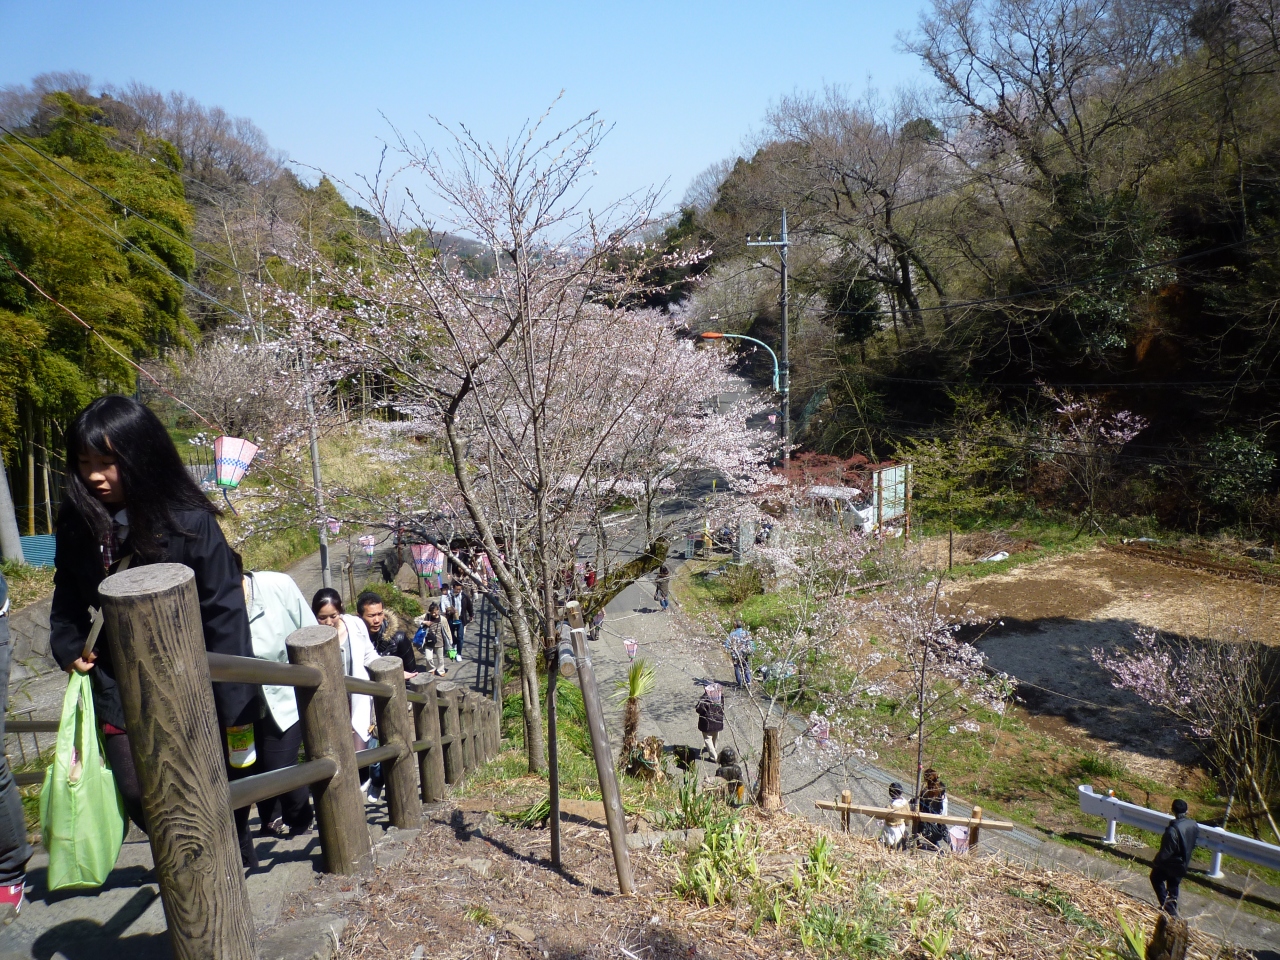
[1216, 839]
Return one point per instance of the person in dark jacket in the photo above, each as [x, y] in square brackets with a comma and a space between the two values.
[129, 500]
[710, 711]
[730, 771]
[385, 632]
[1174, 857]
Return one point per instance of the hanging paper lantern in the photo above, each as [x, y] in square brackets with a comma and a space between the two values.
[334, 525]
[369, 542]
[631, 646]
[232, 457]
[422, 558]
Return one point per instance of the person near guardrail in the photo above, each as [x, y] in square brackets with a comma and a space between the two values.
[894, 834]
[129, 500]
[357, 653]
[933, 799]
[457, 610]
[276, 609]
[1174, 857]
[386, 633]
[14, 849]
[433, 643]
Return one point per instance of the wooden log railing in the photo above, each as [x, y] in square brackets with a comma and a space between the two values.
[432, 738]
[975, 823]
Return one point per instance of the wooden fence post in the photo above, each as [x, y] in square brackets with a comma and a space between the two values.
[450, 731]
[427, 724]
[846, 797]
[976, 829]
[490, 731]
[467, 708]
[326, 731]
[404, 796]
[156, 640]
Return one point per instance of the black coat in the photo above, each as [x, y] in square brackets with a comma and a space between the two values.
[1177, 845]
[78, 573]
[710, 715]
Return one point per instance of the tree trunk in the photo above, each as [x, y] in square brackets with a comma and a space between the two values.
[1169, 941]
[10, 545]
[771, 771]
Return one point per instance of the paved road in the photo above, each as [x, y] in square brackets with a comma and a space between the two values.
[683, 668]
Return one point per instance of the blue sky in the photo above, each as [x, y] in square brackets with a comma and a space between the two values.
[683, 83]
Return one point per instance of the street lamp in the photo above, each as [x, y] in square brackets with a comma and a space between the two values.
[738, 336]
[782, 426]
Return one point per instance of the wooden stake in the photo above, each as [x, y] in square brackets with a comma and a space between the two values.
[770, 797]
[156, 639]
[846, 797]
[404, 799]
[326, 731]
[976, 829]
[613, 812]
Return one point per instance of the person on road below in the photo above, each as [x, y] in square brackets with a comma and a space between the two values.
[14, 849]
[357, 654]
[385, 632]
[129, 500]
[710, 711]
[894, 834]
[729, 770]
[276, 609]
[1174, 857]
[663, 592]
[740, 647]
[933, 799]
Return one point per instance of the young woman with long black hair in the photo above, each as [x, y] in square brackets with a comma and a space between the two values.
[129, 496]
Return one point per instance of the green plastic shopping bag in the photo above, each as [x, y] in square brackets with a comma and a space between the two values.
[82, 813]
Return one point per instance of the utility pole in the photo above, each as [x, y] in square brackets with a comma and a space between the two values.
[785, 427]
[326, 578]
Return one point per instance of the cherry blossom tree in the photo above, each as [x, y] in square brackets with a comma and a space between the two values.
[547, 398]
[1223, 694]
[845, 645]
[1086, 441]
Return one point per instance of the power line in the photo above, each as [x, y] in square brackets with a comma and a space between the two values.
[120, 203]
[109, 345]
[112, 233]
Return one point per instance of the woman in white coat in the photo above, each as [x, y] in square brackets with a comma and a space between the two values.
[357, 654]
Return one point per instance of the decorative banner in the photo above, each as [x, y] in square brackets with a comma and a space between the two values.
[773, 418]
[427, 559]
[369, 542]
[334, 525]
[232, 457]
[631, 646]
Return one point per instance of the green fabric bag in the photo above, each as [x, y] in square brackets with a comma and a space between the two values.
[82, 814]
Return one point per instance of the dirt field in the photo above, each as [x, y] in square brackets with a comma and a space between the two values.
[1055, 612]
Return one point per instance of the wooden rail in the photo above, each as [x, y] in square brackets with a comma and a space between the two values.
[975, 823]
[431, 737]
